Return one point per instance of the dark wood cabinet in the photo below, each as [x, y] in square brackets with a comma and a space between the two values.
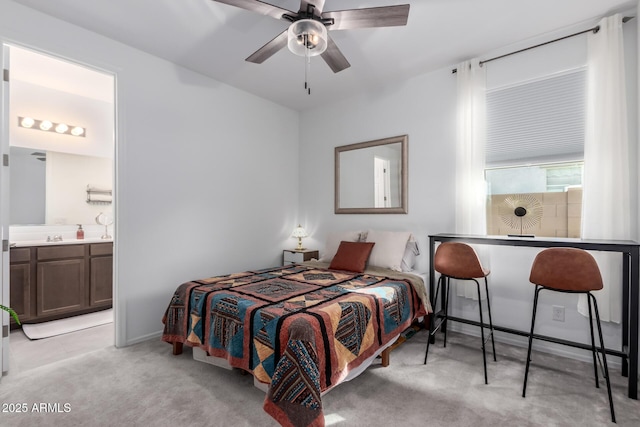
[101, 278]
[21, 283]
[52, 282]
[60, 287]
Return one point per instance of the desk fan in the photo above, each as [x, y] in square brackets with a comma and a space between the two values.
[521, 211]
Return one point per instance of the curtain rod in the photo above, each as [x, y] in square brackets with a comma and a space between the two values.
[594, 29]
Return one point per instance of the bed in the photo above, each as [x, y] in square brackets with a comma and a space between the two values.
[300, 329]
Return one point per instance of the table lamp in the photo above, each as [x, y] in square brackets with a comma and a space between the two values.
[299, 232]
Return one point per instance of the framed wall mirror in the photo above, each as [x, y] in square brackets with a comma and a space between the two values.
[371, 177]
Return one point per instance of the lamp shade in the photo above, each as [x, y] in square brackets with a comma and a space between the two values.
[307, 37]
[299, 232]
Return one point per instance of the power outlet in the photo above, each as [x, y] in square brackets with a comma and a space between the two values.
[558, 313]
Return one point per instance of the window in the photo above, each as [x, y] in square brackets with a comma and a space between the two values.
[535, 146]
[538, 178]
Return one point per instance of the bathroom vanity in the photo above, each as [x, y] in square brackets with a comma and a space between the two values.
[60, 279]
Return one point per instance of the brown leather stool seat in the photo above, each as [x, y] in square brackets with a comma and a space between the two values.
[454, 260]
[569, 270]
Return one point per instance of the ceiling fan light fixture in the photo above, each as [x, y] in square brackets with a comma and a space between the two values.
[307, 37]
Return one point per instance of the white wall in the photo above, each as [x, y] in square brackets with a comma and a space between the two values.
[205, 178]
[425, 108]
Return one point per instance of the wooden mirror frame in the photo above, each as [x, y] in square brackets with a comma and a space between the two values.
[404, 174]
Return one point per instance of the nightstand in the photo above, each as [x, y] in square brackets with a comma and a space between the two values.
[289, 256]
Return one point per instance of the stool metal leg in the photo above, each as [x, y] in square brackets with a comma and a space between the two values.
[493, 344]
[604, 355]
[593, 345]
[447, 286]
[432, 325]
[533, 322]
[443, 287]
[484, 353]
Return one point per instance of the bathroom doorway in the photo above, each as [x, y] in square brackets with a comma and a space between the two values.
[61, 136]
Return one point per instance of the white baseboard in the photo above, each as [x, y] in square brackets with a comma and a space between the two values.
[137, 340]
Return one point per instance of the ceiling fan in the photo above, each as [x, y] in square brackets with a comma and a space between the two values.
[307, 34]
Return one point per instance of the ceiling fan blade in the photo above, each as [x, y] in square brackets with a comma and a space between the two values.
[259, 7]
[318, 4]
[386, 16]
[269, 49]
[334, 57]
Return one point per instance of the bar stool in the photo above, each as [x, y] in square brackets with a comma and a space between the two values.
[454, 260]
[569, 270]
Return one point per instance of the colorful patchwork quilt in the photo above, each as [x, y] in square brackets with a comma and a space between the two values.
[298, 328]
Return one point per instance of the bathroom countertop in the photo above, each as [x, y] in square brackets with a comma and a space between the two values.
[43, 242]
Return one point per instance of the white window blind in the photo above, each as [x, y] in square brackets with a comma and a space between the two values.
[539, 121]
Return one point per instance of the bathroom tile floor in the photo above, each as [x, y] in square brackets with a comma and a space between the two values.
[26, 354]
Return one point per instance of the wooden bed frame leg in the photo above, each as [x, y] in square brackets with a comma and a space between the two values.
[385, 357]
[177, 348]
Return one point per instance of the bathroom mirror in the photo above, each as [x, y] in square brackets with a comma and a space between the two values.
[371, 177]
[49, 188]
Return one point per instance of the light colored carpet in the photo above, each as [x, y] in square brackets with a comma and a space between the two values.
[36, 331]
[144, 385]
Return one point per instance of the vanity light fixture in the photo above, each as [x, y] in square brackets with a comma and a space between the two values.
[49, 126]
[27, 122]
[77, 131]
[45, 125]
[61, 128]
[299, 232]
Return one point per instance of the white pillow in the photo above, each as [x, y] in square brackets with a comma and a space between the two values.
[410, 253]
[333, 242]
[389, 248]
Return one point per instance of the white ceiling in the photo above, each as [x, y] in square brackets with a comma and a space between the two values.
[214, 39]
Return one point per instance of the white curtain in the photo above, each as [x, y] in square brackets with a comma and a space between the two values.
[470, 158]
[606, 194]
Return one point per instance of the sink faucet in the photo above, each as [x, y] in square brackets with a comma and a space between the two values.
[57, 238]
